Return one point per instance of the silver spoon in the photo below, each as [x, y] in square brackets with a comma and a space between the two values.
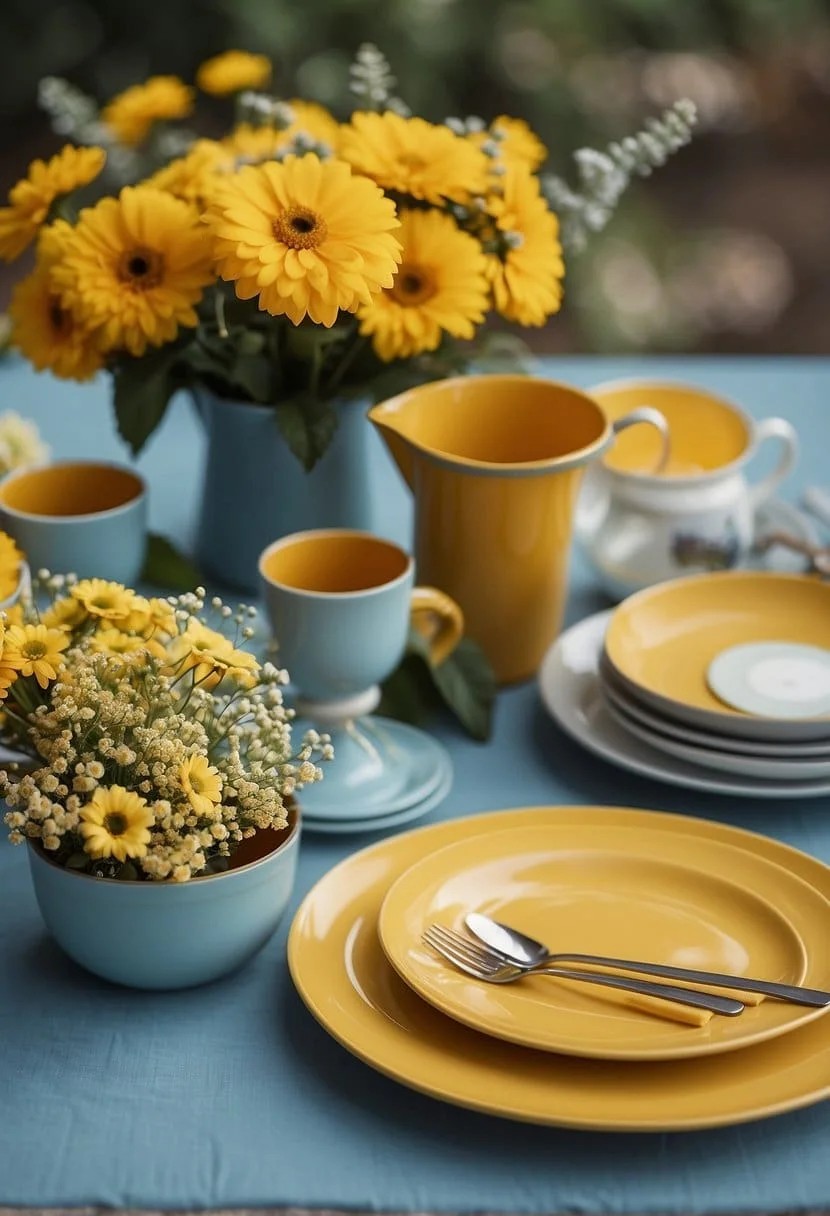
[527, 953]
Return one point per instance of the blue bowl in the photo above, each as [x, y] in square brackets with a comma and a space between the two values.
[166, 935]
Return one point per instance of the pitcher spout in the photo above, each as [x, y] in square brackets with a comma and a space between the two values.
[399, 446]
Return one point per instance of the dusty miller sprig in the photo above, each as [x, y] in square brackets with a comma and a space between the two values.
[604, 176]
[75, 115]
[371, 78]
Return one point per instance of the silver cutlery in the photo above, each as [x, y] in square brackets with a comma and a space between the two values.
[817, 555]
[816, 500]
[519, 950]
[483, 964]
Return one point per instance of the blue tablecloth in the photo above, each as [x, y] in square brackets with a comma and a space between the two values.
[232, 1095]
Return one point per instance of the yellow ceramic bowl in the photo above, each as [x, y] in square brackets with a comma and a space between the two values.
[661, 641]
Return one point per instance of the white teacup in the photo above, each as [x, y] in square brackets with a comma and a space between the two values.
[638, 527]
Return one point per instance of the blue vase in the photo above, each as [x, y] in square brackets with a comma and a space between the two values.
[255, 490]
[166, 935]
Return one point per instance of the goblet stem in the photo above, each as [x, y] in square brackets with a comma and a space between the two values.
[339, 711]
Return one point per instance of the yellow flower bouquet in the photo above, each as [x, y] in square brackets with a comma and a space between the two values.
[297, 259]
[156, 743]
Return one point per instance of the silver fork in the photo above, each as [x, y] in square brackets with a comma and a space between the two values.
[483, 964]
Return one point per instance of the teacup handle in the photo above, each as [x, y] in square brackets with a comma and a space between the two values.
[647, 414]
[785, 432]
[439, 620]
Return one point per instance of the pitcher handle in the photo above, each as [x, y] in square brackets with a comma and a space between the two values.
[647, 414]
[439, 621]
[785, 432]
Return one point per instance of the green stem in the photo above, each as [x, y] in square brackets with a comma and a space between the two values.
[335, 380]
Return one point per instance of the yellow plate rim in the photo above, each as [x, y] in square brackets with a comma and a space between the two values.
[725, 720]
[410, 974]
[802, 864]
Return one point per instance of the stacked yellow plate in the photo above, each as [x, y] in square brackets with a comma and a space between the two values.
[716, 681]
[631, 883]
[728, 670]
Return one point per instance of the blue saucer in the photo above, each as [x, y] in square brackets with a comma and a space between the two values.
[381, 767]
[378, 823]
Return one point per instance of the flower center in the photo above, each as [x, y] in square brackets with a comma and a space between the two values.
[413, 285]
[60, 319]
[34, 649]
[141, 268]
[102, 601]
[299, 228]
[115, 823]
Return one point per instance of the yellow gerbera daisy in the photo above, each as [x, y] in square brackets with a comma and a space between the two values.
[526, 273]
[115, 824]
[191, 177]
[414, 157]
[134, 267]
[306, 236]
[31, 199]
[233, 71]
[8, 675]
[150, 617]
[439, 288]
[109, 601]
[131, 114]
[202, 783]
[10, 559]
[210, 656]
[117, 644]
[34, 650]
[47, 334]
[517, 142]
[66, 613]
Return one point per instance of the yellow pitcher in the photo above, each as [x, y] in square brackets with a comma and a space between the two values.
[494, 463]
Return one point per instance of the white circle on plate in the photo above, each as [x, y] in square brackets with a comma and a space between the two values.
[773, 679]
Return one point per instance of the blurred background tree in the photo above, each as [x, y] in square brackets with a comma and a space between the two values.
[726, 249]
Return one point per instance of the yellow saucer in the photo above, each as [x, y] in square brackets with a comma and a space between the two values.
[623, 891]
[342, 974]
[661, 641]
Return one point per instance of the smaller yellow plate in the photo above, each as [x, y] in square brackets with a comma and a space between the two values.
[661, 642]
[615, 892]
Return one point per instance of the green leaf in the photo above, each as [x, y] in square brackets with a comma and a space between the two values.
[254, 375]
[142, 391]
[307, 425]
[409, 693]
[128, 872]
[464, 683]
[165, 566]
[77, 861]
[467, 684]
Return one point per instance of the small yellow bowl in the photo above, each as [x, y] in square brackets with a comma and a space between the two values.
[661, 642]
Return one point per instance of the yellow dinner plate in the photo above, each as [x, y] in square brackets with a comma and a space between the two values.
[624, 891]
[343, 976]
[661, 641]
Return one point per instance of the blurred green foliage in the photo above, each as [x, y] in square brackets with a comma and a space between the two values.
[580, 71]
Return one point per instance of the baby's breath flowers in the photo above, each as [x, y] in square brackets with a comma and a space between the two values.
[20, 443]
[160, 742]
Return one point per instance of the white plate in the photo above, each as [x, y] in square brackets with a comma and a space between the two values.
[570, 689]
[649, 718]
[724, 762]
